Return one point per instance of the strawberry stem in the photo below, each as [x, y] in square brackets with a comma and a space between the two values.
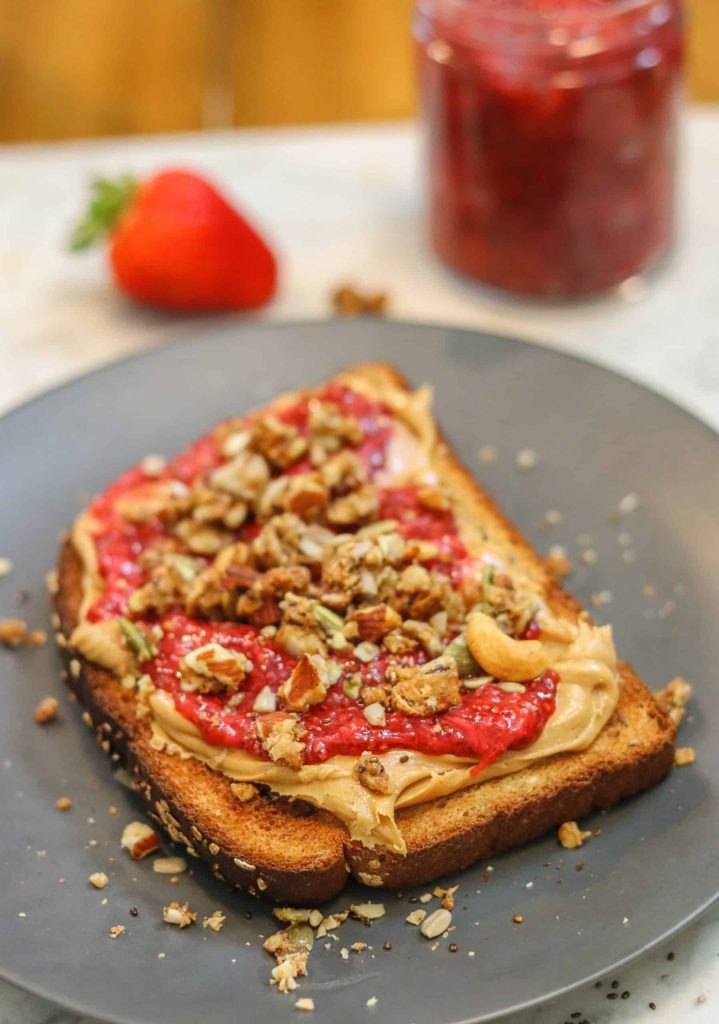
[108, 201]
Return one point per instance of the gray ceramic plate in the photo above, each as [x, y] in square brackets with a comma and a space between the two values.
[655, 865]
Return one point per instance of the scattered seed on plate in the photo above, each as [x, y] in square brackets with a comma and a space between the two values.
[526, 458]
[487, 454]
[629, 503]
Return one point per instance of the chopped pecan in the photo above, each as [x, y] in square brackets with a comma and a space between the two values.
[165, 588]
[340, 572]
[245, 476]
[278, 541]
[200, 538]
[424, 634]
[305, 496]
[343, 471]
[213, 667]
[281, 735]
[268, 613]
[423, 690]
[379, 694]
[414, 579]
[327, 418]
[307, 684]
[398, 642]
[280, 443]
[299, 610]
[298, 640]
[347, 301]
[376, 621]
[372, 774]
[356, 507]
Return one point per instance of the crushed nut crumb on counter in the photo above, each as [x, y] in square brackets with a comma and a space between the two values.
[46, 711]
[181, 916]
[347, 300]
[215, 921]
[683, 756]
[64, 803]
[571, 836]
[169, 865]
[117, 930]
[98, 879]
[139, 840]
[673, 698]
[16, 633]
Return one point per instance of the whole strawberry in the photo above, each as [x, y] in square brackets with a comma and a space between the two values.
[175, 242]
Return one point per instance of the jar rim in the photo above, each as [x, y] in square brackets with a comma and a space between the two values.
[517, 16]
[579, 34]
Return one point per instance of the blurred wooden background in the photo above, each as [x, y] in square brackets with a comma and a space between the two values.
[73, 68]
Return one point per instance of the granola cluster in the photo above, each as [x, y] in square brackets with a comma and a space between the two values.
[288, 535]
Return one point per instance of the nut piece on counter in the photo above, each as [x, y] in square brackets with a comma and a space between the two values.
[15, 633]
[571, 836]
[348, 301]
[437, 923]
[64, 803]
[416, 916]
[139, 839]
[215, 921]
[178, 915]
[367, 912]
[46, 710]
[169, 865]
[673, 698]
[557, 562]
[99, 879]
[683, 756]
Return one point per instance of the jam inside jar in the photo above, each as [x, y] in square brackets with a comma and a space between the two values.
[552, 136]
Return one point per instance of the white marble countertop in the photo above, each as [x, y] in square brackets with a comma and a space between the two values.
[344, 204]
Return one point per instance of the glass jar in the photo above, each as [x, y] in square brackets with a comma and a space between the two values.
[552, 135]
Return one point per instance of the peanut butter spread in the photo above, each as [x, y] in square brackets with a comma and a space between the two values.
[328, 580]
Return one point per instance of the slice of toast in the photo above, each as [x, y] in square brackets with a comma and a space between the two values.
[291, 852]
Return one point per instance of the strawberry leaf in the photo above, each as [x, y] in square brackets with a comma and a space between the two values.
[108, 201]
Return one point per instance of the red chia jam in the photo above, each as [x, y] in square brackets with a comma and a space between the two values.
[487, 723]
[552, 130]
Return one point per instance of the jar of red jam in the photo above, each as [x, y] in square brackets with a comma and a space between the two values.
[552, 131]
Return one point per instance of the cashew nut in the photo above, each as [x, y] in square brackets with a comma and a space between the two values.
[500, 655]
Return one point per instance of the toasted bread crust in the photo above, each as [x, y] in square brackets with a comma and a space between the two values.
[292, 853]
